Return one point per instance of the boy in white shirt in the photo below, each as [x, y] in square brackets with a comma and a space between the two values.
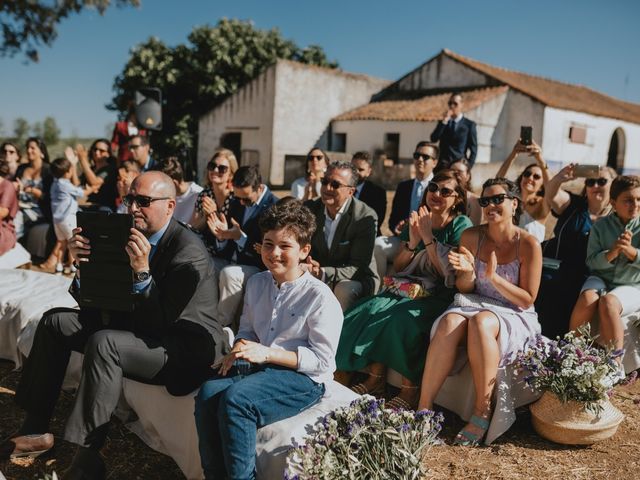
[283, 353]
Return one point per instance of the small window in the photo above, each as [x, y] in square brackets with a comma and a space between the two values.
[578, 135]
[392, 146]
[339, 142]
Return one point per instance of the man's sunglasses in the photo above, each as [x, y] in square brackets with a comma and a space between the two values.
[141, 200]
[493, 199]
[246, 201]
[453, 104]
[333, 184]
[134, 147]
[422, 157]
[529, 173]
[222, 169]
[590, 182]
[444, 191]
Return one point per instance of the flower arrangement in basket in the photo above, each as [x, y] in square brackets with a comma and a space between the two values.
[365, 441]
[576, 377]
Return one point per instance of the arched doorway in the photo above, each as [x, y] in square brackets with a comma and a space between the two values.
[615, 159]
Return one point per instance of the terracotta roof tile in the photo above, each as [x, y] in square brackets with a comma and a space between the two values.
[557, 94]
[426, 109]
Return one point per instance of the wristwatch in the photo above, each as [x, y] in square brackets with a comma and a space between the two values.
[143, 276]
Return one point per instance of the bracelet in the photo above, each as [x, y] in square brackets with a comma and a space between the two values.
[406, 245]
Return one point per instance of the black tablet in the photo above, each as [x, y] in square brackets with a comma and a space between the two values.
[106, 280]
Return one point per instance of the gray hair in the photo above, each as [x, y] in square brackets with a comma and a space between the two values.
[353, 181]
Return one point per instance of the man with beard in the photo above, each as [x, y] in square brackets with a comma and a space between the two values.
[171, 338]
[366, 191]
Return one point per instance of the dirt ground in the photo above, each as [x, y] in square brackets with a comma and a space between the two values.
[519, 454]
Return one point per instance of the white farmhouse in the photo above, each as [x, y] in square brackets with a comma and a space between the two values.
[571, 123]
[278, 117]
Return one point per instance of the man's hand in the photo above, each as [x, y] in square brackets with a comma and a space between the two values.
[247, 350]
[447, 116]
[79, 246]
[399, 227]
[233, 233]
[138, 249]
[313, 267]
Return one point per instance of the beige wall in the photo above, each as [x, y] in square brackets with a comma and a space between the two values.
[443, 72]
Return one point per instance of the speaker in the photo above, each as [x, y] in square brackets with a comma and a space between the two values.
[149, 108]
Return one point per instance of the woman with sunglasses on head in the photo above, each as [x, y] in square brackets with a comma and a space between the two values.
[390, 330]
[474, 210]
[563, 278]
[498, 270]
[308, 187]
[218, 192]
[531, 183]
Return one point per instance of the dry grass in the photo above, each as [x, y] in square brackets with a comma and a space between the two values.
[519, 454]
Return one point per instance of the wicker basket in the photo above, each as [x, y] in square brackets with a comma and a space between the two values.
[570, 423]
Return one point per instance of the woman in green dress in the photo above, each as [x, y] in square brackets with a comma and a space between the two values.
[391, 329]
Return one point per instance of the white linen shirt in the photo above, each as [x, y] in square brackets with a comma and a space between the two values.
[301, 316]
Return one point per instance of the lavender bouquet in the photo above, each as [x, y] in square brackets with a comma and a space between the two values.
[365, 441]
[572, 368]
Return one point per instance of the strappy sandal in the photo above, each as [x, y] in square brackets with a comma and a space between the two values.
[470, 439]
[362, 389]
[399, 403]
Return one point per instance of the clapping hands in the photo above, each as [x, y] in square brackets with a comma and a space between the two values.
[623, 245]
[218, 225]
[462, 261]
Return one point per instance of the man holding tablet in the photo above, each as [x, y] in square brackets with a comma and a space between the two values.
[170, 338]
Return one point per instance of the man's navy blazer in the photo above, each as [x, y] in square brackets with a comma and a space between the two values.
[455, 144]
[401, 206]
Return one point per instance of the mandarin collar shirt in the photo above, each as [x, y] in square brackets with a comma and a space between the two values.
[301, 316]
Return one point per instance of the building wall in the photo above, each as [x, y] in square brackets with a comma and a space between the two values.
[443, 72]
[559, 149]
[249, 112]
[306, 99]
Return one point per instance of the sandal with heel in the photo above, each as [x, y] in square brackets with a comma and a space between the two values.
[466, 438]
[399, 403]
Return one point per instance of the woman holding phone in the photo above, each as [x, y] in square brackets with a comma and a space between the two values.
[565, 270]
[531, 183]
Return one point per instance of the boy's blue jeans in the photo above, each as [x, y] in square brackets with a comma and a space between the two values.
[229, 410]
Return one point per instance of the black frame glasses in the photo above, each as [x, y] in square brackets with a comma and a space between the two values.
[333, 184]
[445, 192]
[591, 182]
[529, 173]
[221, 169]
[494, 199]
[315, 157]
[424, 157]
[143, 201]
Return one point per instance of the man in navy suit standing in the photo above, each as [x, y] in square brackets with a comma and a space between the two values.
[457, 135]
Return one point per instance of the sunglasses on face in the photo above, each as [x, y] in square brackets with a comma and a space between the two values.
[10, 152]
[601, 182]
[422, 157]
[494, 199]
[334, 184]
[444, 191]
[315, 157]
[100, 150]
[453, 104]
[529, 173]
[221, 169]
[246, 201]
[134, 147]
[141, 200]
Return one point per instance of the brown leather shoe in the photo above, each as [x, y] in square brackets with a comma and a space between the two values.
[31, 445]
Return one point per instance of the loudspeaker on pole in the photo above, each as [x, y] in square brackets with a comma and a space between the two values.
[149, 108]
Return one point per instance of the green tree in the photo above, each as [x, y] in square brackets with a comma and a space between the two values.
[50, 131]
[29, 24]
[21, 129]
[196, 77]
[37, 130]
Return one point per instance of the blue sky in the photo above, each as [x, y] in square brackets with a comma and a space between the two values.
[589, 42]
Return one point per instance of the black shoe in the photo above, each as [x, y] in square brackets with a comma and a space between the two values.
[87, 465]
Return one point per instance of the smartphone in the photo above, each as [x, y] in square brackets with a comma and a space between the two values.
[526, 135]
[586, 171]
